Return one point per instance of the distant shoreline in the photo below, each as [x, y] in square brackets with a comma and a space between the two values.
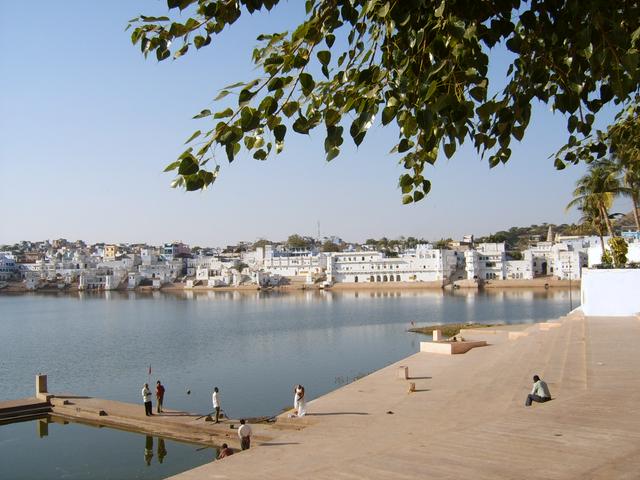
[536, 283]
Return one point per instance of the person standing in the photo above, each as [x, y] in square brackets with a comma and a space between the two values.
[300, 401]
[295, 397]
[159, 396]
[215, 399]
[244, 432]
[539, 393]
[146, 398]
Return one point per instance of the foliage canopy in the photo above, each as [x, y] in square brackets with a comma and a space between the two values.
[421, 64]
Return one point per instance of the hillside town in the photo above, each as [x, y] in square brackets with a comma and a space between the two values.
[62, 264]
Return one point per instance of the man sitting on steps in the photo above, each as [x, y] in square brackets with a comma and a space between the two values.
[539, 393]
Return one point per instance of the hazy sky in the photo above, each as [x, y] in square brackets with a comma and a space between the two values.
[87, 126]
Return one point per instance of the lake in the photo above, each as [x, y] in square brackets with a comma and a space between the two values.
[254, 346]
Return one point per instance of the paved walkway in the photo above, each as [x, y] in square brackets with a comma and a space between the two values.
[468, 419]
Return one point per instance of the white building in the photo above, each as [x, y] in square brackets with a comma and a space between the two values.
[165, 272]
[291, 263]
[425, 265]
[519, 269]
[486, 262]
[8, 267]
[568, 264]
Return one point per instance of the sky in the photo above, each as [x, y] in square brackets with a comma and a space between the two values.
[87, 126]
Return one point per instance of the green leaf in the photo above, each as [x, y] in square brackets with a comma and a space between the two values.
[333, 153]
[331, 117]
[290, 108]
[301, 125]
[388, 114]
[449, 149]
[307, 83]
[221, 95]
[195, 135]
[188, 166]
[193, 183]
[279, 132]
[224, 113]
[324, 56]
[405, 180]
[407, 199]
[204, 113]
[245, 96]
[172, 166]
[232, 150]
[260, 154]
[404, 145]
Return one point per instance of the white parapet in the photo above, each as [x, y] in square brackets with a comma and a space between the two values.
[610, 292]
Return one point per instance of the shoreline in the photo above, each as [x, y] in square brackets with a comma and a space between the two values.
[536, 283]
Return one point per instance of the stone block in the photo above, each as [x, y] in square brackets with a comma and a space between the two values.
[41, 385]
[437, 336]
[450, 348]
[403, 372]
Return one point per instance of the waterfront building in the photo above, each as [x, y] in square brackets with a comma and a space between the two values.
[8, 268]
[519, 269]
[568, 264]
[426, 264]
[541, 256]
[486, 262]
[291, 262]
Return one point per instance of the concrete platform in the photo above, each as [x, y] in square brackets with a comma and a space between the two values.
[23, 409]
[467, 417]
[171, 423]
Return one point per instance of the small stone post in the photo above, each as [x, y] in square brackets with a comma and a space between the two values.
[437, 335]
[41, 387]
[403, 372]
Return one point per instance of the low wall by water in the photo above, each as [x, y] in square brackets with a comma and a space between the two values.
[611, 292]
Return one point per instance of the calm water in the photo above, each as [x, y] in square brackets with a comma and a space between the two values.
[253, 346]
[41, 450]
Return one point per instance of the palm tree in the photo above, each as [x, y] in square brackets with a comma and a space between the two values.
[598, 188]
[629, 169]
[591, 218]
[624, 145]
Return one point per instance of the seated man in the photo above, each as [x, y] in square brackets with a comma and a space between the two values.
[539, 393]
[225, 451]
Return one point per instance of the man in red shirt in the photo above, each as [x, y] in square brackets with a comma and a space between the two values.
[159, 395]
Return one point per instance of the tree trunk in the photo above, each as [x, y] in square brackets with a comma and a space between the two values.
[636, 216]
[607, 220]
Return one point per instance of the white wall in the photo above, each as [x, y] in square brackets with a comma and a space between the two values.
[611, 292]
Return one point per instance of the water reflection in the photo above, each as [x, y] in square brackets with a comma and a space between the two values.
[162, 450]
[61, 450]
[148, 450]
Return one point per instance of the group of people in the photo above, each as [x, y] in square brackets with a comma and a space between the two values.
[540, 393]
[146, 398]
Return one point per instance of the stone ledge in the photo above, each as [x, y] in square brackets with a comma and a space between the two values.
[450, 348]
